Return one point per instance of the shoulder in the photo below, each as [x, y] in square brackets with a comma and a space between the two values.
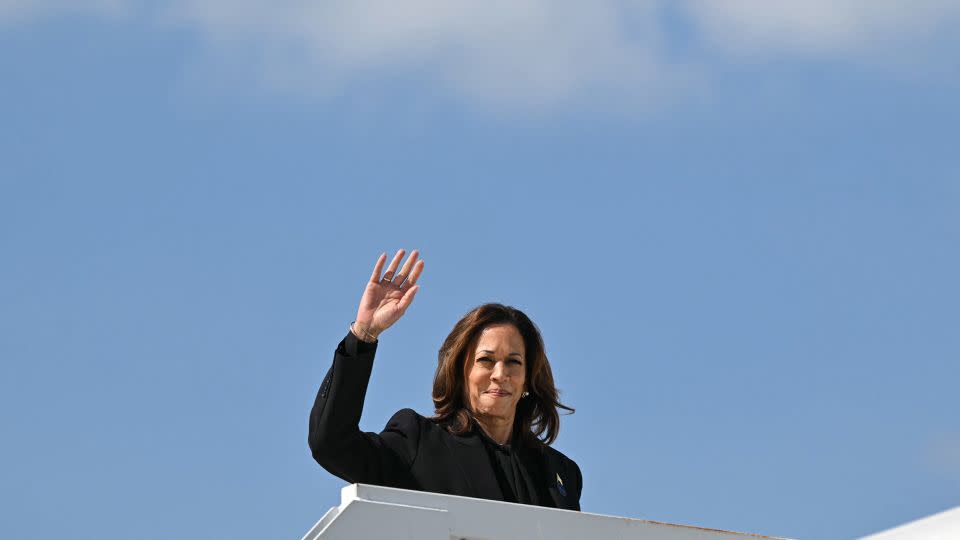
[406, 418]
[417, 428]
[559, 457]
[409, 420]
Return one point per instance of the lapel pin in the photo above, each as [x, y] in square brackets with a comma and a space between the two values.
[560, 488]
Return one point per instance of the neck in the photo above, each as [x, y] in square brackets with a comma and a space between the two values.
[497, 428]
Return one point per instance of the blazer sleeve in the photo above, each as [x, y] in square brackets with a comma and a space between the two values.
[579, 483]
[576, 485]
[335, 439]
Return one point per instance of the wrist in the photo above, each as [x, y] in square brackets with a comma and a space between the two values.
[363, 332]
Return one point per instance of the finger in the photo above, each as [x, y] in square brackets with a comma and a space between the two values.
[405, 271]
[377, 268]
[415, 275]
[392, 269]
[407, 298]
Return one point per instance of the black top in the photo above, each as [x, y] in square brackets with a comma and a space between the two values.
[518, 469]
[414, 452]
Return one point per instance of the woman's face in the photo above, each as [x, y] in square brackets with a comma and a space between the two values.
[496, 372]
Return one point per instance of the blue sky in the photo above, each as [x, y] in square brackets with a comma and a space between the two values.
[736, 226]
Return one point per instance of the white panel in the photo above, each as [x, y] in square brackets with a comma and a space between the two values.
[942, 526]
[388, 513]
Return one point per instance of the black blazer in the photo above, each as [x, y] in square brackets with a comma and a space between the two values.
[412, 452]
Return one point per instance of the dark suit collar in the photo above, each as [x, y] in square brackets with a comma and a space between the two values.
[467, 439]
[471, 456]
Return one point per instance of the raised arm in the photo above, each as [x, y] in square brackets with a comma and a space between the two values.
[336, 441]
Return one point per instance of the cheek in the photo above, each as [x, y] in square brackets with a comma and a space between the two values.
[474, 383]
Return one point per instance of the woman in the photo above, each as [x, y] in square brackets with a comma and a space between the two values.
[496, 407]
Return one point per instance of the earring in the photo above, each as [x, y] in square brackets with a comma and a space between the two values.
[524, 394]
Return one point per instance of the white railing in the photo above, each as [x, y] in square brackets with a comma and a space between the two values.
[388, 513]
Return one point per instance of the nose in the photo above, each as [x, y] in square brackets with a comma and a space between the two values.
[499, 373]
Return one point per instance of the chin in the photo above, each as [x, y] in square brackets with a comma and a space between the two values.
[496, 408]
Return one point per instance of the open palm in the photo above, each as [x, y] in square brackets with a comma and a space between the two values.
[387, 297]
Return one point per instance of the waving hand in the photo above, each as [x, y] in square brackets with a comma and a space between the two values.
[387, 297]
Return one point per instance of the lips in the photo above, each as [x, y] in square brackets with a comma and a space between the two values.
[498, 393]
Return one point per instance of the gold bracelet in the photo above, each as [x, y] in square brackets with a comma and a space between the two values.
[363, 334]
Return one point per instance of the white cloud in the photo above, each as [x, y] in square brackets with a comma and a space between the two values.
[546, 52]
[532, 53]
[517, 52]
[825, 28]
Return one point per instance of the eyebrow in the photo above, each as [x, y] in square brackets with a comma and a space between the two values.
[494, 352]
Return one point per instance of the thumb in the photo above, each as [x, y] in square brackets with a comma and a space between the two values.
[407, 298]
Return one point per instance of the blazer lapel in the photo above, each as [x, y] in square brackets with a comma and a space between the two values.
[474, 463]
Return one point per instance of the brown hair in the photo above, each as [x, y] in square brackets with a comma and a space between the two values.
[537, 420]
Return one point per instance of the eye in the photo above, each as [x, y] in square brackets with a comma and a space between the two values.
[484, 360]
[516, 361]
